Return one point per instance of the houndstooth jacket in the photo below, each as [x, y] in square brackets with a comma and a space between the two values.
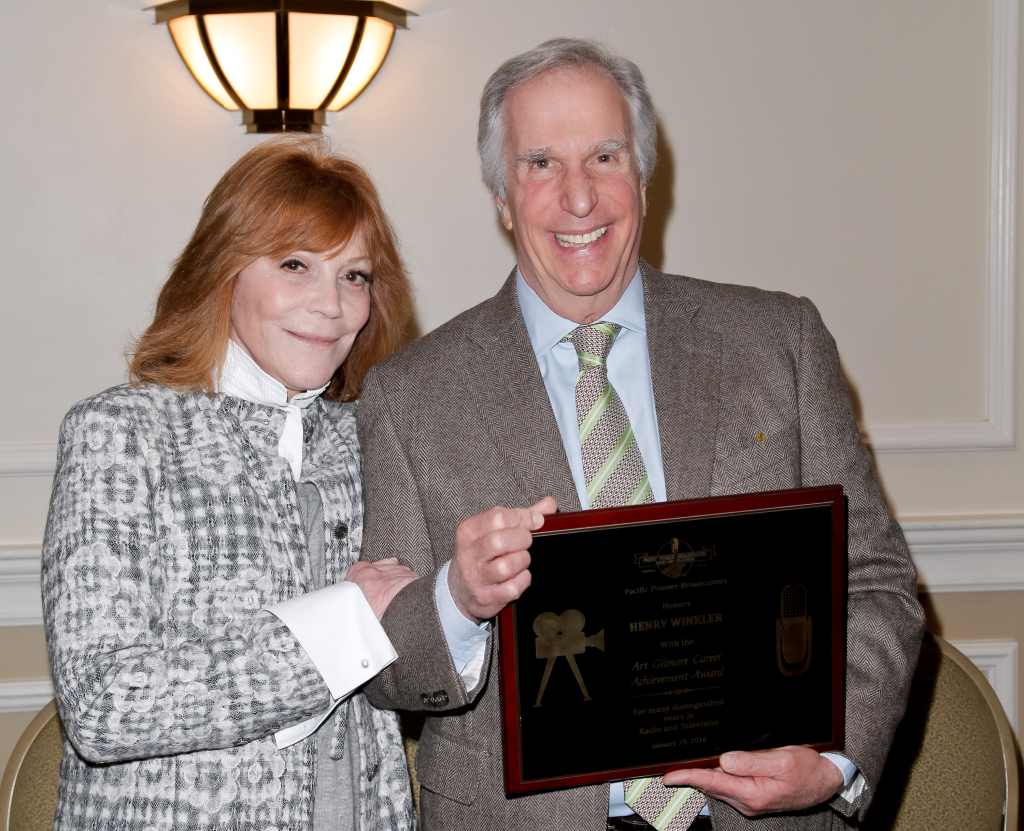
[172, 524]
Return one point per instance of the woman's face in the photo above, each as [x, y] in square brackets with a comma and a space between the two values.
[298, 315]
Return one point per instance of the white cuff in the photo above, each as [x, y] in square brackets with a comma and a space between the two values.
[287, 736]
[467, 641]
[320, 620]
[853, 782]
[340, 633]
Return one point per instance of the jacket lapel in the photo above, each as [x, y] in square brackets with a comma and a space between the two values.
[513, 402]
[685, 368]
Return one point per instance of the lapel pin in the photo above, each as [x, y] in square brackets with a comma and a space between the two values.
[759, 436]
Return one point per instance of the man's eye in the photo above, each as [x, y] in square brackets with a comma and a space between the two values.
[293, 265]
[358, 278]
[540, 164]
[605, 157]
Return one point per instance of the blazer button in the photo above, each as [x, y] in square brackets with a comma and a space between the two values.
[340, 531]
[438, 698]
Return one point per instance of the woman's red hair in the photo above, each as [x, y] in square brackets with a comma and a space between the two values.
[282, 196]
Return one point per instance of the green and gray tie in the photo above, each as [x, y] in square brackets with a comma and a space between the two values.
[612, 465]
[667, 809]
[616, 475]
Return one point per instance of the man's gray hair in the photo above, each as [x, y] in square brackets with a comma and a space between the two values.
[556, 54]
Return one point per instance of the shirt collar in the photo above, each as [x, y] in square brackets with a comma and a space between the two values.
[546, 328]
[243, 378]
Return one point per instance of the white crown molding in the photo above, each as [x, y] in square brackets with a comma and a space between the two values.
[25, 696]
[27, 458]
[997, 661]
[968, 554]
[996, 428]
[20, 599]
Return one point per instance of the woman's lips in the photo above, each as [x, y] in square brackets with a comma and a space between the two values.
[313, 340]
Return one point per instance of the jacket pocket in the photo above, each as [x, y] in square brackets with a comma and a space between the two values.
[448, 768]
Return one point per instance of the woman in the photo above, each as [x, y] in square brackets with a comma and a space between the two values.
[202, 517]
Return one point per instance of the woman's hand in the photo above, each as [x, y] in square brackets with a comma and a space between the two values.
[380, 581]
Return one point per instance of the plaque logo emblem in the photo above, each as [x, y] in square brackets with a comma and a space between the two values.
[675, 558]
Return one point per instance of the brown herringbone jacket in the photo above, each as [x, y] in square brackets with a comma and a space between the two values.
[461, 421]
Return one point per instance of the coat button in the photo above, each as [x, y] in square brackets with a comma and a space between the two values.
[365, 663]
[340, 531]
[438, 698]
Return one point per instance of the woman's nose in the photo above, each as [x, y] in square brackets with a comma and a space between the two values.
[326, 298]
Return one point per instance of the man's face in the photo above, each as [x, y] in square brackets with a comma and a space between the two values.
[574, 201]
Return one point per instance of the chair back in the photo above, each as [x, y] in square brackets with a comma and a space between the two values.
[953, 762]
[28, 790]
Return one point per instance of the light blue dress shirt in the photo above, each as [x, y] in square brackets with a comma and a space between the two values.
[629, 371]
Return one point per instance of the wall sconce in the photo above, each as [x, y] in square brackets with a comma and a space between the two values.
[283, 63]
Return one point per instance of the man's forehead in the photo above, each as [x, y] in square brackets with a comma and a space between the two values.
[583, 105]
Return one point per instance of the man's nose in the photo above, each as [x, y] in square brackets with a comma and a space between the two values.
[578, 194]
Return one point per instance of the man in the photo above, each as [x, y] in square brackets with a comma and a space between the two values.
[709, 389]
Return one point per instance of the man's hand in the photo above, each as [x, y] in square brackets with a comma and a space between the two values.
[380, 581]
[765, 781]
[490, 568]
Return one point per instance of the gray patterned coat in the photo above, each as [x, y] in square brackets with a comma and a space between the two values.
[173, 522]
[727, 363]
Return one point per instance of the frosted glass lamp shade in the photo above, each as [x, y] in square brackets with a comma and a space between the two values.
[283, 63]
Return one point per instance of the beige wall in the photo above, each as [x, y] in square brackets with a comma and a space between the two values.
[839, 150]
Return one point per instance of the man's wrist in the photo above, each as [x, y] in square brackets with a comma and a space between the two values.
[853, 783]
[453, 583]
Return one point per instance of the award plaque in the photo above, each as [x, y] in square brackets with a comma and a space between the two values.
[659, 636]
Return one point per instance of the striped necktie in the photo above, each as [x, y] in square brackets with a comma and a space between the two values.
[612, 465]
[667, 809]
[616, 475]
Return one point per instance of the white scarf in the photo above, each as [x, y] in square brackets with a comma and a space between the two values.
[243, 378]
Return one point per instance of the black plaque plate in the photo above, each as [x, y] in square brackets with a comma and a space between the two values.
[660, 636]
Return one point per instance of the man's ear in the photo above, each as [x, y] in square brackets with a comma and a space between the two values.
[504, 212]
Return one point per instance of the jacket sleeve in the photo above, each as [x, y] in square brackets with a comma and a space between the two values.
[884, 618]
[424, 676]
[141, 671]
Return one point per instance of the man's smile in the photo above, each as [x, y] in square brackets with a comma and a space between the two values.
[578, 240]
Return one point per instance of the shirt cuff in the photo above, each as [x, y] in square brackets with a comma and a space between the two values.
[287, 736]
[467, 641]
[333, 615]
[853, 782]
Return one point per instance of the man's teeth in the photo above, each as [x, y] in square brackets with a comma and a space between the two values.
[580, 239]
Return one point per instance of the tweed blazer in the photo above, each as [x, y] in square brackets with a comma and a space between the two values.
[461, 421]
[173, 523]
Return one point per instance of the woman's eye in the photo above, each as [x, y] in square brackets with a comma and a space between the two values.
[358, 278]
[293, 265]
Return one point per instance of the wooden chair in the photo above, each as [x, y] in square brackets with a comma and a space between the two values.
[954, 760]
[28, 790]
